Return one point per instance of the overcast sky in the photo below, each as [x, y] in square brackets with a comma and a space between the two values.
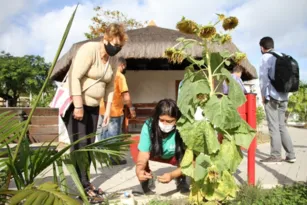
[36, 26]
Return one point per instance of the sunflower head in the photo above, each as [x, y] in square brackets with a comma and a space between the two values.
[230, 23]
[168, 53]
[207, 32]
[225, 38]
[174, 55]
[221, 16]
[239, 57]
[213, 174]
[187, 26]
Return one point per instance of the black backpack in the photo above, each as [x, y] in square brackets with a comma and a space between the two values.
[286, 77]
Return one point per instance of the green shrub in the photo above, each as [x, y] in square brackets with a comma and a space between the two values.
[250, 195]
[260, 115]
[287, 195]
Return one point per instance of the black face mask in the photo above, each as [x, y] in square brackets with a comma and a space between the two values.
[112, 50]
[124, 72]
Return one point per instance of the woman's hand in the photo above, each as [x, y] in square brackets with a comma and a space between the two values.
[78, 113]
[143, 175]
[106, 120]
[165, 178]
[106, 117]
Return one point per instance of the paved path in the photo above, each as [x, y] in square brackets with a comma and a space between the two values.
[123, 177]
[286, 173]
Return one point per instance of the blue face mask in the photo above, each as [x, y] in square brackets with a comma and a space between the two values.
[166, 128]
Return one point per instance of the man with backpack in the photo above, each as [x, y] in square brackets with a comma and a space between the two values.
[279, 75]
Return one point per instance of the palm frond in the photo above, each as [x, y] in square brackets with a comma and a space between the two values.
[23, 133]
[55, 175]
[10, 129]
[101, 151]
[31, 163]
[3, 172]
[62, 178]
[73, 173]
[47, 194]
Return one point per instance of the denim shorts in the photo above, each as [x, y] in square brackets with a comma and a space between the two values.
[114, 127]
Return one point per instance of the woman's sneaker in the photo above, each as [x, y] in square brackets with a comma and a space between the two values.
[290, 160]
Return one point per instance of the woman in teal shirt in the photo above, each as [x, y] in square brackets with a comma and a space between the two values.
[160, 141]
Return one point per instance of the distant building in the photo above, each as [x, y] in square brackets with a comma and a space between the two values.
[252, 86]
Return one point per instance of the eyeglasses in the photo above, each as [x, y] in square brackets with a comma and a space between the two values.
[167, 121]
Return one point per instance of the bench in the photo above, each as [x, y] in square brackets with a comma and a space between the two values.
[143, 112]
[44, 123]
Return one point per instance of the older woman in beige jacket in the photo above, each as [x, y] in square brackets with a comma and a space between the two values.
[92, 62]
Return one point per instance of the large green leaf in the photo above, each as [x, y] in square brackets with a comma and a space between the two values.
[187, 158]
[201, 164]
[229, 157]
[243, 134]
[187, 163]
[188, 92]
[222, 113]
[193, 136]
[216, 59]
[188, 171]
[235, 93]
[220, 191]
[212, 143]
[47, 194]
[200, 136]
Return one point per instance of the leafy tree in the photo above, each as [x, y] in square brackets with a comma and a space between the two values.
[105, 17]
[298, 102]
[260, 115]
[21, 75]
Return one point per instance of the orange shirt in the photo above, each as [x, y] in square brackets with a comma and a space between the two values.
[120, 86]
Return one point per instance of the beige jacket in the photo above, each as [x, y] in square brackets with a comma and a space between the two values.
[86, 68]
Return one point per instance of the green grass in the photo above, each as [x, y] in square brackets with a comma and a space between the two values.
[158, 202]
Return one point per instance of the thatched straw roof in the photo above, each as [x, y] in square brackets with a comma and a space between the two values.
[150, 42]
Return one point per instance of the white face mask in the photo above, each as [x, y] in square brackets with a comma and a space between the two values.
[166, 128]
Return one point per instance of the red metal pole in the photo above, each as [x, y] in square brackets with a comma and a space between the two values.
[251, 120]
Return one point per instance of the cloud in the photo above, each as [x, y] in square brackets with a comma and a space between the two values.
[42, 34]
[9, 9]
[49, 28]
[37, 33]
[285, 21]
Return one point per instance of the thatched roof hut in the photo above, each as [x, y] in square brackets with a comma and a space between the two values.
[146, 46]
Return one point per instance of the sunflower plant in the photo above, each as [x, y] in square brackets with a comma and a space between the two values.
[210, 162]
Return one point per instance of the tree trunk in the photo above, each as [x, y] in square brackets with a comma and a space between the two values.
[13, 102]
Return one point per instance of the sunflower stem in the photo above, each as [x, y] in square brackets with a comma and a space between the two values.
[210, 76]
[222, 64]
[217, 22]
